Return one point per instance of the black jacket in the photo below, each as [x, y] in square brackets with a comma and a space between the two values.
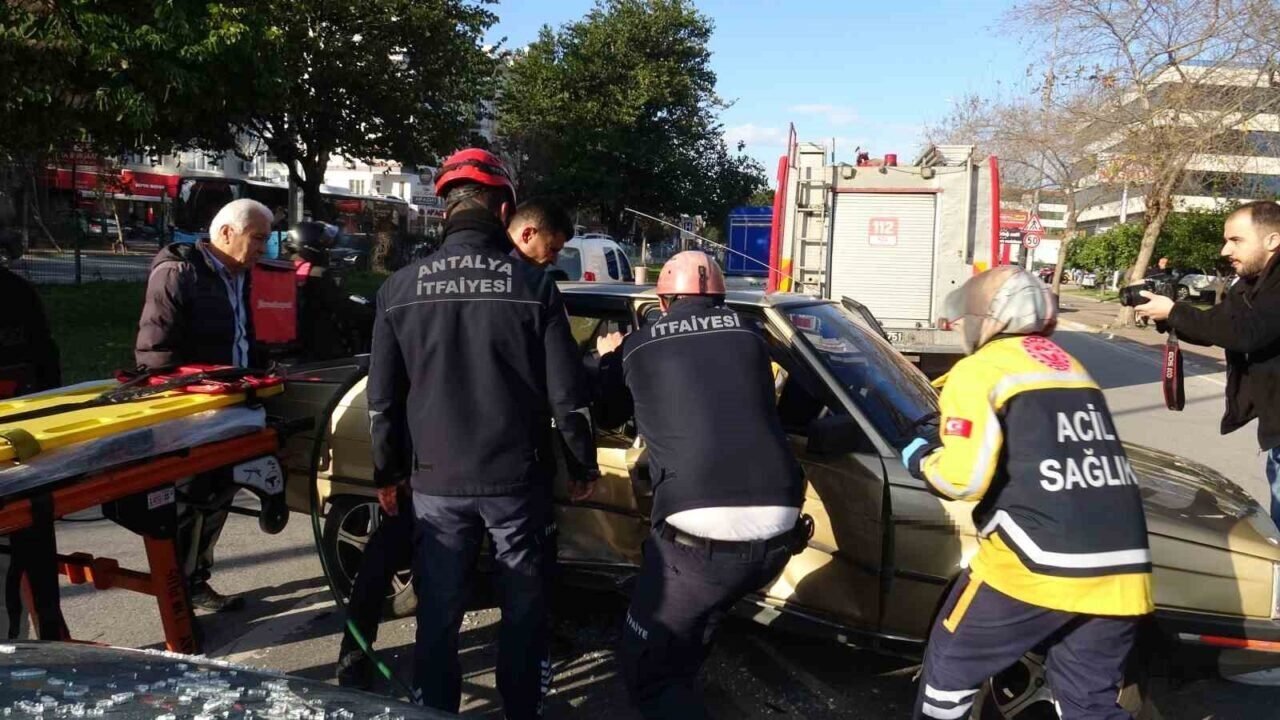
[1247, 325]
[187, 316]
[700, 385]
[330, 324]
[28, 355]
[472, 361]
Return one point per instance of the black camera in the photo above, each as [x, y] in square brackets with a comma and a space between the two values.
[1129, 295]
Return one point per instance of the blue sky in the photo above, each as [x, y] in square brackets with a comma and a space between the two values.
[867, 73]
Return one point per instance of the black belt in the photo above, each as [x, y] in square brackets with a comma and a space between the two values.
[794, 539]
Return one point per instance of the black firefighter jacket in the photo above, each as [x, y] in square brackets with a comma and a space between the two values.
[472, 365]
[699, 384]
[28, 354]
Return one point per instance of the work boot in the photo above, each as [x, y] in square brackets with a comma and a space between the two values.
[204, 597]
[355, 669]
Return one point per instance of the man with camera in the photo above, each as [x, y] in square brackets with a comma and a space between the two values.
[1246, 324]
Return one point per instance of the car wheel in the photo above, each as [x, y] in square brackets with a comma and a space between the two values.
[348, 526]
[1182, 293]
[1022, 691]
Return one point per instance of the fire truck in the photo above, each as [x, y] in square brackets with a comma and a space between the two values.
[889, 240]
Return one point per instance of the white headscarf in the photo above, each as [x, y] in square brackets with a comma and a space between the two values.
[1005, 300]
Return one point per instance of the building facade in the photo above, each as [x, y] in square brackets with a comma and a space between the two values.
[1238, 165]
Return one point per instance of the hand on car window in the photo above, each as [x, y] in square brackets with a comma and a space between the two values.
[608, 342]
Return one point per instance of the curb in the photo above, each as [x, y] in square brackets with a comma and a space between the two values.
[1079, 327]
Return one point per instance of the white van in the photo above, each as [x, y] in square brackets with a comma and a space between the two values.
[594, 258]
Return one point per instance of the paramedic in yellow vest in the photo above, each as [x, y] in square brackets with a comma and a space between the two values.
[1062, 565]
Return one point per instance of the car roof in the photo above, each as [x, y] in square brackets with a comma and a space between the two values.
[603, 239]
[756, 298]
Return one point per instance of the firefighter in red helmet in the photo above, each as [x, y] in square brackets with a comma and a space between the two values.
[473, 368]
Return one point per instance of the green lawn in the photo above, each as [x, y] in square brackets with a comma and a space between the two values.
[364, 283]
[95, 325]
[1100, 294]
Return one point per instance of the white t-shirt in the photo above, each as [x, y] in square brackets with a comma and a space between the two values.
[736, 523]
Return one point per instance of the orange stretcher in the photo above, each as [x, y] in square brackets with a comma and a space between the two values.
[164, 579]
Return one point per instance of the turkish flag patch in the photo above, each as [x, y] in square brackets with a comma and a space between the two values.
[958, 427]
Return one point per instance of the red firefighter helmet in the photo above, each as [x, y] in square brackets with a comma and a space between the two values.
[473, 165]
[692, 272]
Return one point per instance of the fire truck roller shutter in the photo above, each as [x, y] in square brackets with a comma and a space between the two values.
[887, 266]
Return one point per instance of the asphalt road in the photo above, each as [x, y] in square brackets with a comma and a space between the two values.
[290, 623]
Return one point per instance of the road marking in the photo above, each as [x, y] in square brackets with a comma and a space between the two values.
[267, 632]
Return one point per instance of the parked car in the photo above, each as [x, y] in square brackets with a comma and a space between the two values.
[594, 258]
[1089, 280]
[1200, 284]
[103, 226]
[885, 550]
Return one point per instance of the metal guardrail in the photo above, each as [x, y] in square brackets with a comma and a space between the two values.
[75, 266]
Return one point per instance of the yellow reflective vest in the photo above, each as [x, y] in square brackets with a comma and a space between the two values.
[1026, 434]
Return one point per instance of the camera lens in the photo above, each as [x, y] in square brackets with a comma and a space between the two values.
[1129, 296]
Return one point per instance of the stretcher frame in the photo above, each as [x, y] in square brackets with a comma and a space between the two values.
[163, 580]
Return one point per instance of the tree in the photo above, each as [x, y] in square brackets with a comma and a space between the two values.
[1167, 82]
[1040, 150]
[619, 109]
[726, 181]
[761, 198]
[1193, 239]
[117, 75]
[378, 79]
[1113, 249]
[109, 76]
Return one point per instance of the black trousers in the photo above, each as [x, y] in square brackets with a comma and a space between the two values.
[981, 631]
[448, 532]
[203, 502]
[680, 598]
[390, 549]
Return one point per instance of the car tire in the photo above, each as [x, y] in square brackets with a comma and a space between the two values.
[1022, 691]
[347, 527]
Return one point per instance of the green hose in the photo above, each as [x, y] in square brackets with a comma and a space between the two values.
[322, 429]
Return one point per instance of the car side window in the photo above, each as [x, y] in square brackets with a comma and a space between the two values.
[570, 261]
[626, 267]
[800, 397]
[584, 329]
[611, 260]
[651, 315]
[798, 394]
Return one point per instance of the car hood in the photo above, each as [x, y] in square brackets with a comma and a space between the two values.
[1187, 501]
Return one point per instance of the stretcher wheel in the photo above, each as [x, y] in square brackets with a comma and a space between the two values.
[274, 515]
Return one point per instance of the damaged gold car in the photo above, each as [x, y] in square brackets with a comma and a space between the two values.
[885, 550]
